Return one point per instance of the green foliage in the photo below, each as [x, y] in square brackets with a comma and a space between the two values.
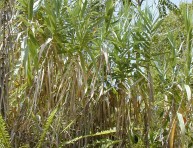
[46, 128]
[103, 65]
[4, 135]
[164, 4]
[91, 135]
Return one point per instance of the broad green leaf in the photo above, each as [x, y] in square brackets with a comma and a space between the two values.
[84, 7]
[157, 24]
[30, 9]
[33, 47]
[109, 13]
[28, 70]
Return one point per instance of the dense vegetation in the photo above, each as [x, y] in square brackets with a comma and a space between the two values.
[95, 73]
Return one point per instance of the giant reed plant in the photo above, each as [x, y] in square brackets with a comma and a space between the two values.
[117, 76]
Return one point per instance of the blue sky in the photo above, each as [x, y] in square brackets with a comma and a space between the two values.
[154, 8]
[174, 1]
[178, 1]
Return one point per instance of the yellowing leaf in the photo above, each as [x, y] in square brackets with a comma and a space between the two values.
[188, 91]
[181, 123]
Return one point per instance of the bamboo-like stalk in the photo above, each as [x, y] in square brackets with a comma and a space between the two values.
[106, 66]
[4, 62]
